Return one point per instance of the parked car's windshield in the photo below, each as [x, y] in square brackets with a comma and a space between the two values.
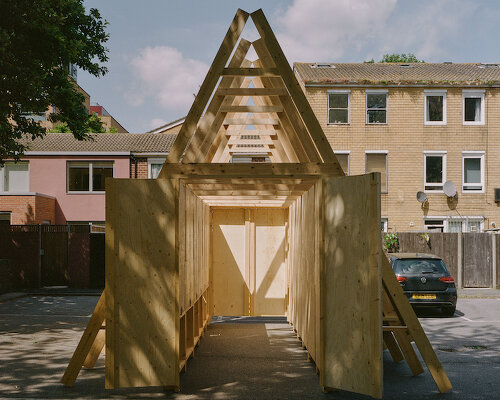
[419, 266]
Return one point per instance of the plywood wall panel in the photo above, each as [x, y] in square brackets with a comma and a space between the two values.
[351, 312]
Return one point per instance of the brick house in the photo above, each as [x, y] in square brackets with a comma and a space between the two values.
[61, 180]
[420, 125]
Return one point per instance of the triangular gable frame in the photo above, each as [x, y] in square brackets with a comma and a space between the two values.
[300, 142]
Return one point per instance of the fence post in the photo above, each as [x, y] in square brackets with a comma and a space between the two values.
[460, 269]
[39, 271]
[493, 261]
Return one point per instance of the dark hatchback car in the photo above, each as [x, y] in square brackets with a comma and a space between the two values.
[425, 280]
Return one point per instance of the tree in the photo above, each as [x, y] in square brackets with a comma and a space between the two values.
[39, 40]
[400, 58]
[94, 124]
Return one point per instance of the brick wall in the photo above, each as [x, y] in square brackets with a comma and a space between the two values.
[29, 209]
[405, 137]
[142, 168]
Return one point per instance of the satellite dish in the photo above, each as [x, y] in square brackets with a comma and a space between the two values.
[449, 189]
[421, 197]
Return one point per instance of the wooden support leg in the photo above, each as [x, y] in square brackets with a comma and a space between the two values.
[393, 347]
[393, 288]
[95, 350]
[409, 354]
[85, 344]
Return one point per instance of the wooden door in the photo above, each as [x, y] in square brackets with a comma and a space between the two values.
[228, 258]
[477, 260]
[248, 256]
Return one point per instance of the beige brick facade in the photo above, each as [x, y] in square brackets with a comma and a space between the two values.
[405, 137]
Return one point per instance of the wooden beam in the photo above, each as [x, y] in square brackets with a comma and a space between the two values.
[249, 150]
[402, 305]
[252, 109]
[281, 170]
[85, 344]
[258, 132]
[250, 72]
[293, 87]
[207, 87]
[235, 140]
[96, 349]
[212, 119]
[251, 92]
[252, 121]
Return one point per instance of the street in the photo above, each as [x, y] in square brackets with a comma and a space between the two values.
[239, 360]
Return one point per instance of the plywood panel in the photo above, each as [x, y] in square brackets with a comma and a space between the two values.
[270, 279]
[228, 258]
[142, 283]
[352, 329]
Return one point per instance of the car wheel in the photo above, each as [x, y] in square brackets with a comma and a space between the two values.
[448, 311]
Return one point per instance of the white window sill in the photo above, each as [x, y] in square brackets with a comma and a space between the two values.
[338, 123]
[376, 123]
[473, 123]
[465, 191]
[434, 123]
[440, 191]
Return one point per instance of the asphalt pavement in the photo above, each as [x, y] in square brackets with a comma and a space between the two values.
[239, 358]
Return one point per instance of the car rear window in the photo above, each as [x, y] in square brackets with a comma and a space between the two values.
[419, 266]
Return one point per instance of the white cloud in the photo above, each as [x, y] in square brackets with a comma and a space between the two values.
[163, 73]
[156, 123]
[357, 30]
[319, 30]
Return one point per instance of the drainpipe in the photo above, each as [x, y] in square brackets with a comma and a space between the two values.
[134, 160]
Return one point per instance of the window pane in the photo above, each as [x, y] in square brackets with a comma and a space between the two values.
[474, 226]
[376, 100]
[338, 100]
[434, 169]
[434, 108]
[472, 109]
[376, 117]
[472, 170]
[455, 226]
[343, 160]
[99, 175]
[155, 170]
[78, 178]
[378, 163]
[5, 218]
[338, 117]
[16, 177]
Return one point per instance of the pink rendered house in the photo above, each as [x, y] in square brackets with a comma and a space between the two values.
[61, 180]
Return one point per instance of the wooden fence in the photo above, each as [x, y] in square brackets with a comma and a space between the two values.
[472, 258]
[33, 256]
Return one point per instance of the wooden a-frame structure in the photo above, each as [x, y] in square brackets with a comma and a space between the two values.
[343, 299]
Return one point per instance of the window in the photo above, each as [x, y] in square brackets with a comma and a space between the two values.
[473, 171]
[154, 167]
[473, 107]
[376, 161]
[383, 224]
[88, 176]
[435, 107]
[338, 106]
[343, 159]
[5, 218]
[434, 170]
[434, 225]
[467, 224]
[239, 158]
[376, 107]
[14, 177]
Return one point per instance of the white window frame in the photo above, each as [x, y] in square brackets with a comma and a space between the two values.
[385, 221]
[473, 94]
[431, 93]
[434, 153]
[348, 152]
[348, 92]
[473, 154]
[386, 152]
[154, 161]
[377, 91]
[432, 218]
[464, 219]
[2, 176]
[90, 166]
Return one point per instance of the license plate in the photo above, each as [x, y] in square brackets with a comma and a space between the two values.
[424, 296]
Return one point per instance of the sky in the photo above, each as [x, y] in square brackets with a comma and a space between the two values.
[161, 50]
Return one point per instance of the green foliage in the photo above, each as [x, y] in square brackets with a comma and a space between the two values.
[112, 129]
[391, 242]
[94, 124]
[400, 58]
[38, 40]
[60, 128]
